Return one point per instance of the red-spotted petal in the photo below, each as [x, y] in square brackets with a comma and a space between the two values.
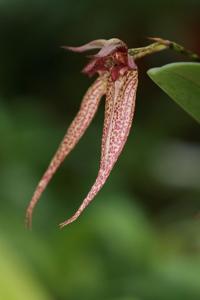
[81, 122]
[111, 46]
[119, 111]
[96, 44]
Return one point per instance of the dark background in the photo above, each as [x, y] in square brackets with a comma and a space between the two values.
[139, 240]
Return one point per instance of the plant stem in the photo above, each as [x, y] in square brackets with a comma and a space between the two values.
[159, 45]
[178, 48]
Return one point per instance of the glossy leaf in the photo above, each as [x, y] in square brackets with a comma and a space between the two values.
[181, 81]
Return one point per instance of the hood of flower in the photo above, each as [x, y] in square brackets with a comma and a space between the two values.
[112, 57]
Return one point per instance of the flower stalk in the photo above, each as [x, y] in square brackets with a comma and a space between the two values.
[160, 45]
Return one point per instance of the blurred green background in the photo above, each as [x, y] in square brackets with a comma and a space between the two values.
[139, 240]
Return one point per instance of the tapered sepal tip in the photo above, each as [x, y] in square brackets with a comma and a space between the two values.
[28, 219]
[63, 224]
[64, 47]
[74, 49]
[28, 224]
[87, 111]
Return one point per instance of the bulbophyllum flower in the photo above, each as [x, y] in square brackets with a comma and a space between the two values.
[117, 80]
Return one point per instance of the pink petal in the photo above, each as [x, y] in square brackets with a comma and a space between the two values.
[105, 51]
[96, 44]
[77, 128]
[119, 111]
[111, 46]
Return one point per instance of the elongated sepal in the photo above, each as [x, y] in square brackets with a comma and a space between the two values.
[119, 111]
[77, 128]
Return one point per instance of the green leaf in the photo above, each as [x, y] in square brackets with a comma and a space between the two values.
[181, 81]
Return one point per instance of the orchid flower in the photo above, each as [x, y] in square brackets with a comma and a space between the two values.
[117, 80]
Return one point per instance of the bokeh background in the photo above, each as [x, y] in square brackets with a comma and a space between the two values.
[139, 240]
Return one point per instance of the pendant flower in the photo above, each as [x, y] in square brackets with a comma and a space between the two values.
[117, 80]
